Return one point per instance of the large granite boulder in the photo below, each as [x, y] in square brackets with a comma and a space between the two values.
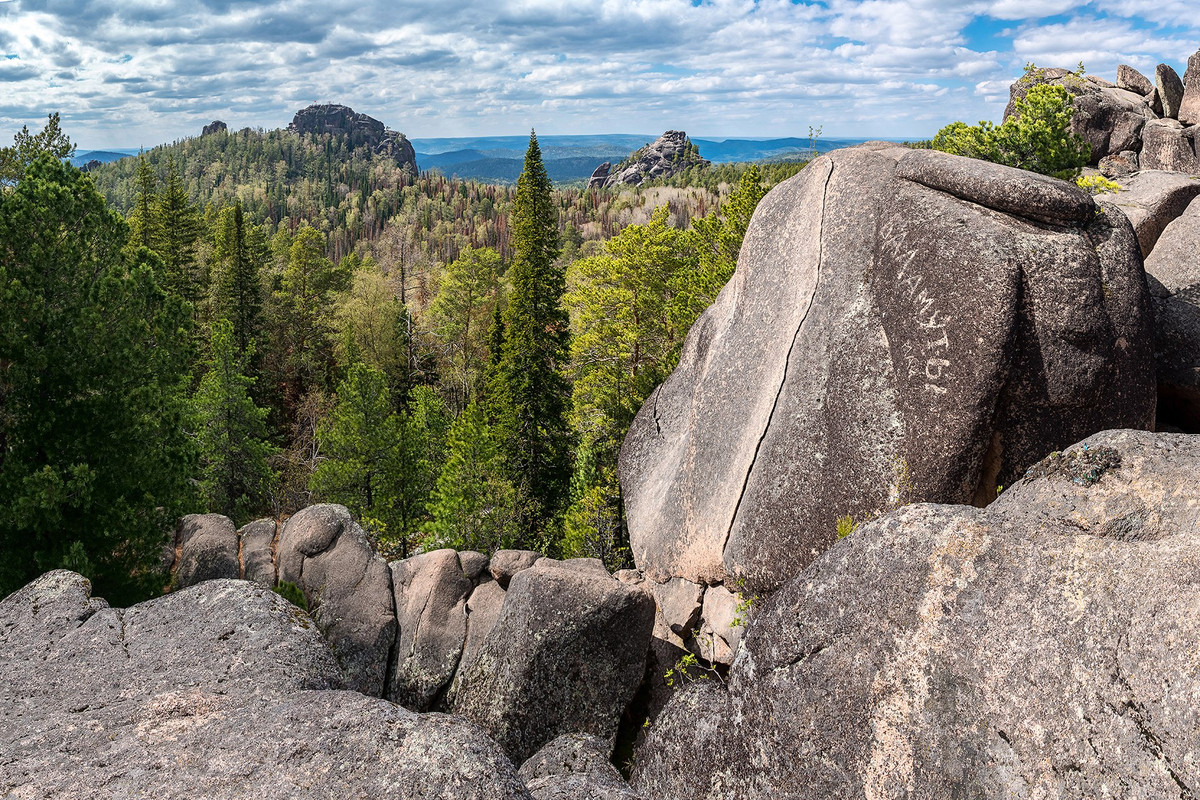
[565, 656]
[1175, 276]
[575, 766]
[1167, 145]
[1189, 106]
[903, 325]
[431, 610]
[1170, 90]
[207, 547]
[222, 690]
[1042, 647]
[1151, 200]
[1131, 80]
[348, 588]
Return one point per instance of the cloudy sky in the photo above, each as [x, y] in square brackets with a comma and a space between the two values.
[140, 72]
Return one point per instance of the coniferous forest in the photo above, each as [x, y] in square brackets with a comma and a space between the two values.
[248, 323]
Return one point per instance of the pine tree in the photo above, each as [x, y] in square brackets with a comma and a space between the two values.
[178, 223]
[27, 147]
[532, 392]
[236, 476]
[143, 219]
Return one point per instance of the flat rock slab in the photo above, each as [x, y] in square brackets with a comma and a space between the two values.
[222, 690]
[1042, 647]
[1152, 200]
[903, 325]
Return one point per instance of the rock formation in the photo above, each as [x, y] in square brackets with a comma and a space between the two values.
[667, 155]
[574, 767]
[222, 690]
[596, 181]
[1039, 647]
[560, 650]
[921, 327]
[360, 129]
[216, 126]
[1136, 123]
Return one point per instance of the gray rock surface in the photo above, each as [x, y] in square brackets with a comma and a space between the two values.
[599, 175]
[360, 130]
[1118, 165]
[1189, 107]
[208, 548]
[1177, 349]
[216, 126]
[915, 331]
[474, 565]
[1110, 120]
[431, 609]
[574, 767]
[257, 547]
[348, 588]
[1131, 80]
[1167, 145]
[1042, 647]
[507, 563]
[565, 656]
[1175, 260]
[223, 690]
[667, 155]
[1151, 200]
[1170, 90]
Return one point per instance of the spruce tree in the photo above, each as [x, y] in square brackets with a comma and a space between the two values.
[143, 221]
[532, 391]
[179, 227]
[238, 292]
[236, 477]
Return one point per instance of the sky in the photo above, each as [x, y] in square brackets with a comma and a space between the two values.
[131, 73]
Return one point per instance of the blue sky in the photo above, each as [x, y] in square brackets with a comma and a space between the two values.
[141, 72]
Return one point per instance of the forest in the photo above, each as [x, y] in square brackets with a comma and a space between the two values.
[253, 322]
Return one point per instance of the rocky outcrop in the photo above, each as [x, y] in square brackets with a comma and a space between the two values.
[222, 690]
[1151, 199]
[1169, 146]
[360, 130]
[1119, 165]
[1131, 80]
[576, 675]
[667, 155]
[574, 767]
[917, 331]
[208, 548]
[1170, 90]
[1189, 106]
[216, 126]
[596, 181]
[1036, 647]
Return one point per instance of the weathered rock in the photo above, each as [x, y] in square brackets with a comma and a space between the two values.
[348, 588]
[598, 177]
[1175, 260]
[1110, 120]
[1170, 90]
[1118, 165]
[216, 126]
[667, 155]
[1167, 145]
[474, 565]
[257, 547]
[1131, 80]
[1189, 106]
[679, 602]
[723, 625]
[483, 609]
[573, 767]
[507, 563]
[1039, 647]
[1151, 200]
[208, 548]
[565, 656]
[360, 130]
[914, 330]
[223, 690]
[1177, 349]
[431, 609]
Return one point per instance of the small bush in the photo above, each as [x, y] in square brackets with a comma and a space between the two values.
[1037, 137]
[292, 593]
[1097, 184]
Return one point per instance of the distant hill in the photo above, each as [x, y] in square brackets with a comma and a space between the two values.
[82, 157]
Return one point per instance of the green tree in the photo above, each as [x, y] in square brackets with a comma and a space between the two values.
[468, 293]
[531, 390]
[472, 507]
[144, 229]
[1036, 137]
[236, 478]
[94, 458]
[426, 429]
[237, 286]
[370, 323]
[178, 223]
[27, 147]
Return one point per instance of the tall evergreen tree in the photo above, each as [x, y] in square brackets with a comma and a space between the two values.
[94, 458]
[532, 390]
[143, 219]
[179, 227]
[238, 291]
[236, 476]
[28, 147]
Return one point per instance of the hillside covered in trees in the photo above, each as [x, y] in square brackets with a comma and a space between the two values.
[299, 322]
